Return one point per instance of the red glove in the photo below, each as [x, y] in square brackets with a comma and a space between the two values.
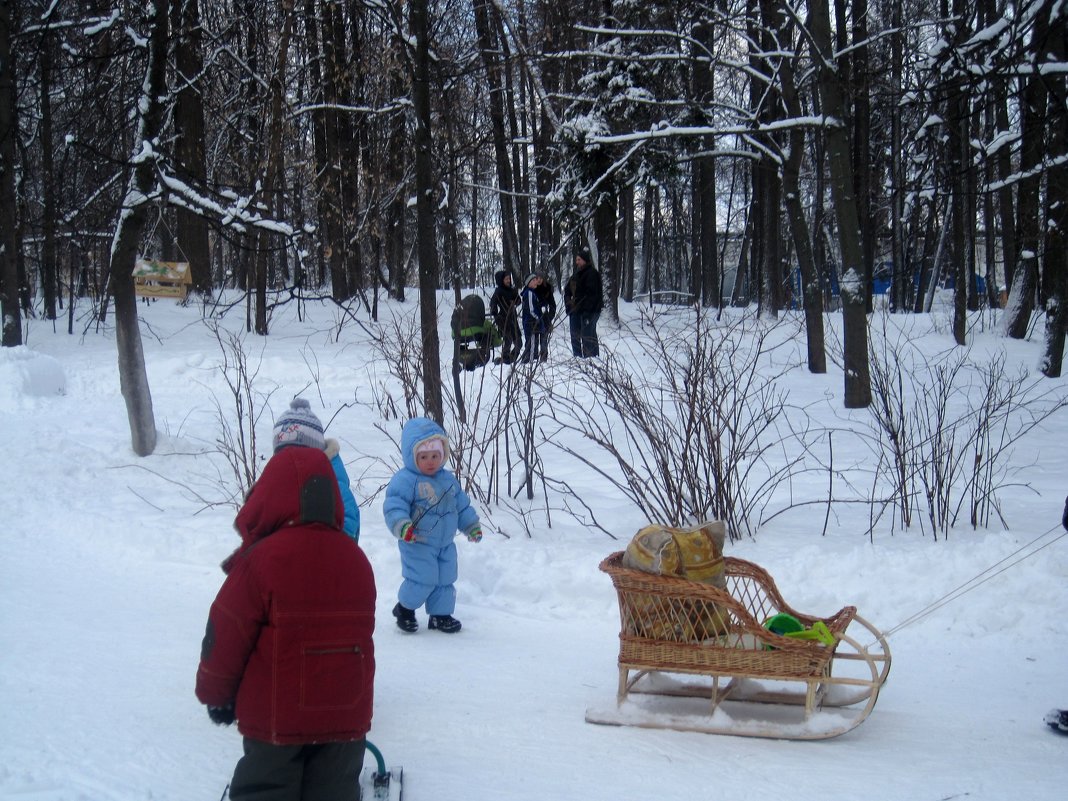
[475, 534]
[407, 532]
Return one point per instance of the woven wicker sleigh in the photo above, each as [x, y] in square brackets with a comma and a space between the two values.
[717, 641]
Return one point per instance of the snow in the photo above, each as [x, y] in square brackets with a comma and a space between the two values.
[110, 563]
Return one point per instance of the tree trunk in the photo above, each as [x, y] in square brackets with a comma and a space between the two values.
[1032, 146]
[133, 378]
[626, 244]
[488, 46]
[860, 122]
[648, 238]
[48, 182]
[705, 177]
[958, 157]
[189, 141]
[1006, 205]
[273, 168]
[396, 190]
[854, 317]
[899, 276]
[1056, 260]
[811, 296]
[9, 244]
[605, 219]
[335, 244]
[426, 238]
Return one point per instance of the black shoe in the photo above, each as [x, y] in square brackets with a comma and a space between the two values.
[445, 623]
[1058, 720]
[406, 619]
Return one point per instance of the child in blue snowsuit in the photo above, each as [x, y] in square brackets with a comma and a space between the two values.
[424, 508]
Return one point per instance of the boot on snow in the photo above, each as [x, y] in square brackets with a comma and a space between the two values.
[444, 623]
[406, 619]
[1057, 720]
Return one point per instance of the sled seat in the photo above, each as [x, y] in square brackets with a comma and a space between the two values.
[665, 628]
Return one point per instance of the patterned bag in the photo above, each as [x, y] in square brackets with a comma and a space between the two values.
[695, 554]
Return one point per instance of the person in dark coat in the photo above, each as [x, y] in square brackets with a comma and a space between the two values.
[504, 305]
[535, 329]
[583, 301]
[547, 299]
[288, 650]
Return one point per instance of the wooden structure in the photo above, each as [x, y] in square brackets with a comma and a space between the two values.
[741, 664]
[162, 279]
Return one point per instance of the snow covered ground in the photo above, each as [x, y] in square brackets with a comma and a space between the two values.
[109, 563]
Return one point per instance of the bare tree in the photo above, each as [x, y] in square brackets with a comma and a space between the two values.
[490, 46]
[132, 376]
[811, 295]
[426, 229]
[9, 246]
[189, 127]
[1056, 262]
[854, 316]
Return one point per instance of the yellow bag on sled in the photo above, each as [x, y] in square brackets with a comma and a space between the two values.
[695, 554]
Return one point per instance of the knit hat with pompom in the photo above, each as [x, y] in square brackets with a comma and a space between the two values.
[299, 426]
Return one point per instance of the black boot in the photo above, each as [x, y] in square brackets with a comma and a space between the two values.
[1057, 720]
[406, 619]
[445, 623]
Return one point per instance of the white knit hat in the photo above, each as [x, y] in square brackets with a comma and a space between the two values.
[432, 444]
[299, 426]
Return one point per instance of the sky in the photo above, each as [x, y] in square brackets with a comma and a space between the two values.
[110, 562]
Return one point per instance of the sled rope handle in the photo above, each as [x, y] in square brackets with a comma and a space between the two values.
[977, 581]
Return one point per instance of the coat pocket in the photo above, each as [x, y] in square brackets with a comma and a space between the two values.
[332, 676]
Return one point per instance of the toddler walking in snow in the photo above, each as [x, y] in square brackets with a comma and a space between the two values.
[424, 507]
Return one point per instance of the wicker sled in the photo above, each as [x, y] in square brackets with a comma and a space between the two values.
[697, 658]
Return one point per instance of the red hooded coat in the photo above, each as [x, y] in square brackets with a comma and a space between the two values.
[288, 641]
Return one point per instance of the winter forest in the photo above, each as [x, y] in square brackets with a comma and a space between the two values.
[832, 240]
[828, 158]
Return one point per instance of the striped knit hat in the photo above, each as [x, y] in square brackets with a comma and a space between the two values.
[299, 426]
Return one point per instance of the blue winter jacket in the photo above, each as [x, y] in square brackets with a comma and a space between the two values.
[436, 505]
[352, 510]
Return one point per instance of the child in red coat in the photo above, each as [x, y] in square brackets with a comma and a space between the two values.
[288, 650]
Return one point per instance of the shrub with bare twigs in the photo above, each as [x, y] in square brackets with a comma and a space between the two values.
[238, 414]
[945, 427]
[692, 422]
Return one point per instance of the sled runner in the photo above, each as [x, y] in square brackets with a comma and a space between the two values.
[379, 784]
[696, 657]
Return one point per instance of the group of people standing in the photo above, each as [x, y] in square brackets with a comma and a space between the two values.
[534, 306]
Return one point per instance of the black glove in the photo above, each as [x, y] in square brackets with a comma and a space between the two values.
[221, 715]
[1064, 517]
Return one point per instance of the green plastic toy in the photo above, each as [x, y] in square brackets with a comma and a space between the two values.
[786, 625]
